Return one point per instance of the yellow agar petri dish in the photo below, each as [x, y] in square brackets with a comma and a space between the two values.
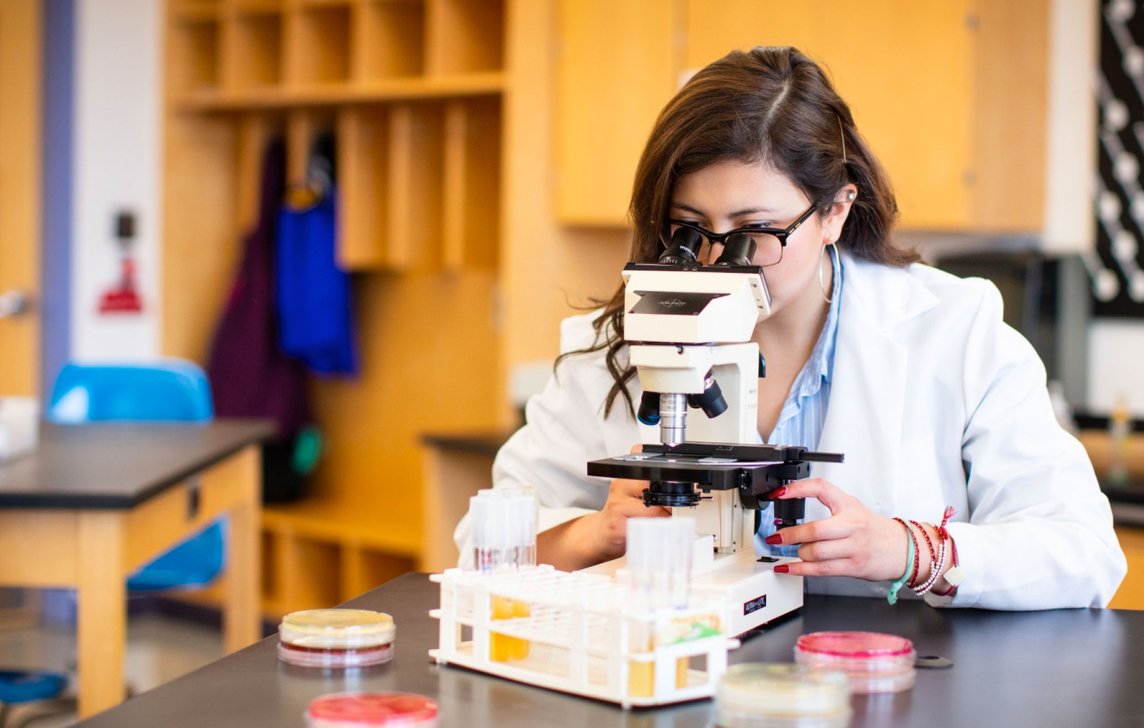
[336, 638]
[769, 695]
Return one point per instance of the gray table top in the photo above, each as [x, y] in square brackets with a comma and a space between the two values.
[119, 465]
[1057, 668]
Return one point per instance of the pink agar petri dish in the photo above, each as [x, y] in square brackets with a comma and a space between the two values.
[336, 638]
[362, 710]
[874, 662]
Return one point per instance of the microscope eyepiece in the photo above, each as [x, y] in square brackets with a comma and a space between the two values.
[738, 250]
[684, 247]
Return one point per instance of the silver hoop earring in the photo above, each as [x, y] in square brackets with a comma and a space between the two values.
[834, 260]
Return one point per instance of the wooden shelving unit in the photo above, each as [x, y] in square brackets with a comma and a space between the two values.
[380, 91]
[412, 91]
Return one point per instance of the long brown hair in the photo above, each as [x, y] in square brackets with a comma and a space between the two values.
[770, 105]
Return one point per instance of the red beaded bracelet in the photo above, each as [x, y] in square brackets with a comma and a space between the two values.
[917, 560]
[935, 570]
[929, 544]
[938, 567]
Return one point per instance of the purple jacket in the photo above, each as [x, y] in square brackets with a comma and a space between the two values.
[249, 374]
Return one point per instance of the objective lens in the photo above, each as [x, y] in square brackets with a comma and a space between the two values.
[673, 418]
[648, 413]
[711, 401]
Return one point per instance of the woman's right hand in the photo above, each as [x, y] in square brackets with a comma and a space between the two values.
[600, 536]
[609, 529]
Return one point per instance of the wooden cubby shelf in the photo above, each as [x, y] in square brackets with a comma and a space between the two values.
[276, 53]
[257, 50]
[412, 92]
[256, 7]
[394, 89]
[390, 40]
[318, 554]
[190, 10]
[322, 53]
[195, 41]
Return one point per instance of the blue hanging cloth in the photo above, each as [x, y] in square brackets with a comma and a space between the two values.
[313, 294]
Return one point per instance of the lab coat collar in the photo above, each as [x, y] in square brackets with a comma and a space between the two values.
[887, 296]
[868, 393]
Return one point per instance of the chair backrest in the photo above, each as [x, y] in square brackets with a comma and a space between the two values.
[170, 389]
[193, 563]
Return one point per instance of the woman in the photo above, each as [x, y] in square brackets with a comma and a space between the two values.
[909, 371]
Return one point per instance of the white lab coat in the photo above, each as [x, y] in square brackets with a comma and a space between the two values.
[935, 401]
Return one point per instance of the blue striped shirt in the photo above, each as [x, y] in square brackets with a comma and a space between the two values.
[804, 411]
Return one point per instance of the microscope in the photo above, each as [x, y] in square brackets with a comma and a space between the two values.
[689, 328]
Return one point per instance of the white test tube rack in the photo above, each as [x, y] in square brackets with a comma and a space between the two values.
[578, 629]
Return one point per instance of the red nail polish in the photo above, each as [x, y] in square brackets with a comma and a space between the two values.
[782, 569]
[778, 521]
[773, 539]
[778, 493]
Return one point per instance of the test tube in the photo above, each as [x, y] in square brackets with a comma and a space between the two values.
[504, 538]
[659, 561]
[504, 527]
[659, 571]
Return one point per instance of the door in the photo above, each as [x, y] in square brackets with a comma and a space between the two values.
[20, 191]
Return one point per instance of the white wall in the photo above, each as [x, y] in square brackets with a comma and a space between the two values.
[1115, 365]
[1071, 166]
[118, 71]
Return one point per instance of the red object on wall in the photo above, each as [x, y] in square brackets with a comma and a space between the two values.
[123, 298]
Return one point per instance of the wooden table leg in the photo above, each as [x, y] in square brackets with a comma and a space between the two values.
[241, 608]
[102, 618]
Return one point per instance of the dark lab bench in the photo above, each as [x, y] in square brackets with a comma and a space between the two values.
[1058, 668]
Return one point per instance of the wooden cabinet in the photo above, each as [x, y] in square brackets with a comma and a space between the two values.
[1098, 444]
[951, 96]
[619, 64]
[1130, 595]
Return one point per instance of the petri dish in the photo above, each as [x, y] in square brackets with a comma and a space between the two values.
[359, 710]
[874, 662]
[770, 695]
[336, 638]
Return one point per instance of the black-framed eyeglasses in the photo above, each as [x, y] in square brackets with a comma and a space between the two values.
[769, 242]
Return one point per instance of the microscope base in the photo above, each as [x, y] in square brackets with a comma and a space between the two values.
[757, 594]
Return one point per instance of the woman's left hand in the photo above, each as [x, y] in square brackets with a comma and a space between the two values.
[854, 541]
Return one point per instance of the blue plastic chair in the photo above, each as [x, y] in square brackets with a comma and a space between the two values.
[193, 563]
[172, 390]
[17, 688]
